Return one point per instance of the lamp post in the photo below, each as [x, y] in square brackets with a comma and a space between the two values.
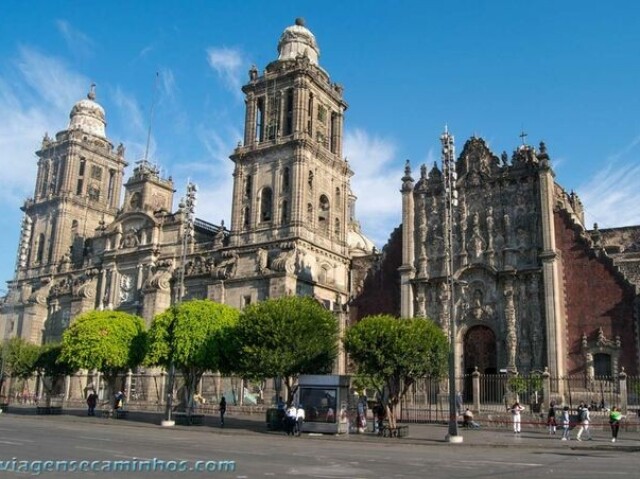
[187, 208]
[451, 202]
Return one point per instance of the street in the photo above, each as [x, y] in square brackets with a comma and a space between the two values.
[264, 455]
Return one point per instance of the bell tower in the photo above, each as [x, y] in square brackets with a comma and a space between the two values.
[290, 180]
[77, 188]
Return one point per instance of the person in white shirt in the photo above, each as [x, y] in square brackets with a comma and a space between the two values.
[516, 409]
[290, 419]
[583, 420]
[300, 415]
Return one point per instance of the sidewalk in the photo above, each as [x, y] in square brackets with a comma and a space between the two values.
[419, 434]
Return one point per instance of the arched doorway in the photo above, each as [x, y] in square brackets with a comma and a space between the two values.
[480, 352]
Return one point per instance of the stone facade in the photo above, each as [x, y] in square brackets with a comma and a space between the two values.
[533, 289]
[293, 228]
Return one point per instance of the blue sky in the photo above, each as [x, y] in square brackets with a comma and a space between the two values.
[567, 72]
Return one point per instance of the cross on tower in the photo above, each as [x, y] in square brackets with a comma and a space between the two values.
[523, 135]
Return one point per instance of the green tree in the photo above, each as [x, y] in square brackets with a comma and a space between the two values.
[51, 366]
[110, 341]
[394, 353]
[286, 337]
[18, 359]
[196, 337]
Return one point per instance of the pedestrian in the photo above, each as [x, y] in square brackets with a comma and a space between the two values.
[290, 419]
[222, 408]
[118, 401]
[92, 400]
[300, 416]
[583, 421]
[516, 409]
[362, 414]
[615, 416]
[467, 420]
[551, 418]
[565, 423]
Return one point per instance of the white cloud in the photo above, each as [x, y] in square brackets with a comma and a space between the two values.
[213, 175]
[168, 83]
[79, 43]
[227, 63]
[612, 196]
[376, 183]
[35, 94]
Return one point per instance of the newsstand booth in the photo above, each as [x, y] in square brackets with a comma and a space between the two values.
[325, 399]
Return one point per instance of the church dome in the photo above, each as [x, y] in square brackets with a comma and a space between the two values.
[359, 244]
[88, 116]
[297, 40]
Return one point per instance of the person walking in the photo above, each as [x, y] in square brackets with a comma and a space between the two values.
[615, 416]
[516, 409]
[551, 418]
[566, 422]
[222, 407]
[583, 420]
[92, 400]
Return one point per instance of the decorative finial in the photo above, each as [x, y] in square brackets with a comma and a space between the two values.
[300, 21]
[222, 224]
[543, 147]
[92, 92]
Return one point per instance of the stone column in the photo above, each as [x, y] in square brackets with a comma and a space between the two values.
[554, 314]
[162, 388]
[250, 120]
[510, 319]
[67, 389]
[475, 387]
[127, 386]
[407, 271]
[622, 391]
[546, 389]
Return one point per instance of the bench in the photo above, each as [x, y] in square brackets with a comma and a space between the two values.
[184, 419]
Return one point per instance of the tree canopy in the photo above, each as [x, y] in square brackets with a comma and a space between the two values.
[395, 352]
[110, 341]
[19, 358]
[286, 337]
[196, 337]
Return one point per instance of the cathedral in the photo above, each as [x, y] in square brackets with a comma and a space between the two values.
[532, 288]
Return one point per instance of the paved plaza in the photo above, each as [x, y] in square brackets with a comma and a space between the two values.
[258, 453]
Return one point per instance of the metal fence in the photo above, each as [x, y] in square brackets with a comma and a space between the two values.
[427, 400]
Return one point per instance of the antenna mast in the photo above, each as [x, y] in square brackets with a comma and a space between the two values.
[151, 112]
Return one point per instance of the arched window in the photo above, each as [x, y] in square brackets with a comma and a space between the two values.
[266, 204]
[284, 212]
[336, 227]
[245, 217]
[285, 179]
[323, 214]
[40, 248]
[310, 180]
[248, 185]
